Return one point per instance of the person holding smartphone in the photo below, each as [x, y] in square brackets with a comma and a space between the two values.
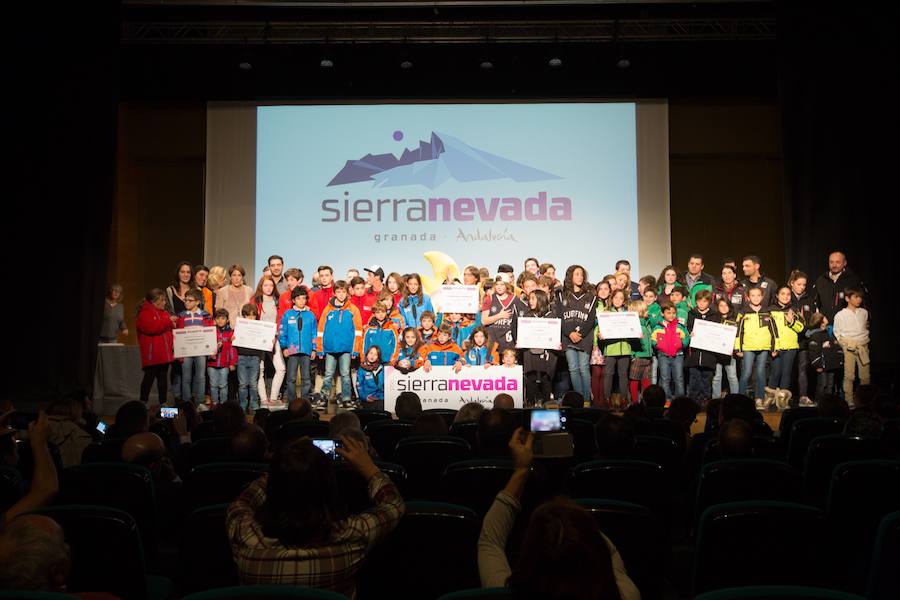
[285, 528]
[558, 530]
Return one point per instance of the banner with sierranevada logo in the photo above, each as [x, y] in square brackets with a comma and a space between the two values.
[443, 388]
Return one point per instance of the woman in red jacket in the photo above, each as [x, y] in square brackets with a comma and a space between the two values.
[154, 328]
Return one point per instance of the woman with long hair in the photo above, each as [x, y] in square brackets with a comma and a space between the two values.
[266, 300]
[576, 306]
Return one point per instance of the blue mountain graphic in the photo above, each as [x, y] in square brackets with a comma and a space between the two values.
[432, 163]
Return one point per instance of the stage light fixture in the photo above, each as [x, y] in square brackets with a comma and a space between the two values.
[326, 63]
[406, 65]
[245, 65]
[486, 65]
[555, 62]
[623, 63]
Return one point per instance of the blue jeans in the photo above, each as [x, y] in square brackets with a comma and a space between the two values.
[580, 371]
[333, 362]
[248, 374]
[218, 384]
[700, 383]
[782, 369]
[757, 360]
[731, 373]
[193, 379]
[671, 368]
[294, 362]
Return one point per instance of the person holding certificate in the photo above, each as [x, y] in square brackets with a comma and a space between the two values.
[193, 368]
[617, 352]
[701, 364]
[538, 364]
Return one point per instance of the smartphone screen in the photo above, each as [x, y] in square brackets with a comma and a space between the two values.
[101, 426]
[167, 412]
[329, 447]
[547, 420]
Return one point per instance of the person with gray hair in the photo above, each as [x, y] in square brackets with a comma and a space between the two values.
[341, 422]
[34, 555]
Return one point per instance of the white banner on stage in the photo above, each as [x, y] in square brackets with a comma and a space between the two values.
[442, 388]
[195, 341]
[619, 325]
[460, 299]
[538, 333]
[257, 335]
[714, 337]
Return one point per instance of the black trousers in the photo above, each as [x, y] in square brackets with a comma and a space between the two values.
[538, 386]
[159, 373]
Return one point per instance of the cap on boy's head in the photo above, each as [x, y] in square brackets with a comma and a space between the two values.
[376, 271]
[504, 268]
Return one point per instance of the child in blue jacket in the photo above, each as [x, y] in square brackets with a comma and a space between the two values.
[297, 336]
[370, 379]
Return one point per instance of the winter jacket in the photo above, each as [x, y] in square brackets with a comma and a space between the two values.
[766, 284]
[681, 312]
[643, 348]
[412, 309]
[426, 337]
[578, 313]
[804, 307]
[370, 383]
[788, 335]
[704, 282]
[462, 330]
[318, 301]
[226, 356]
[482, 355]
[670, 338]
[824, 351]
[414, 357]
[298, 331]
[340, 329]
[654, 313]
[701, 358]
[384, 335]
[736, 295]
[756, 332]
[200, 318]
[364, 305]
[829, 295]
[441, 355]
[154, 329]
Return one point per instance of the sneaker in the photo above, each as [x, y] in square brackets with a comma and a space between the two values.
[347, 404]
[760, 404]
[805, 401]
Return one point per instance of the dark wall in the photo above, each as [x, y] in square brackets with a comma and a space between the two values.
[158, 204]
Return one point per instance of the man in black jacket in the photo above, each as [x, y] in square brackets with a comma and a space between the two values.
[828, 290]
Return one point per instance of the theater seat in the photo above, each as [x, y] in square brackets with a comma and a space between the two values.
[791, 416]
[640, 539]
[475, 483]
[583, 436]
[761, 543]
[206, 429]
[106, 553]
[660, 450]
[210, 450]
[217, 483]
[123, 486]
[825, 453]
[435, 543]
[466, 430]
[739, 480]
[384, 436]
[354, 490]
[634, 481]
[804, 431]
[448, 414]
[777, 592]
[883, 581]
[861, 494]
[425, 458]
[204, 558]
[261, 592]
[369, 415]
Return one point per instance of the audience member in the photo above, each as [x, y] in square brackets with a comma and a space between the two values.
[572, 399]
[408, 406]
[250, 445]
[504, 401]
[735, 439]
[831, 405]
[468, 412]
[287, 527]
[863, 423]
[654, 396]
[44, 480]
[494, 428]
[229, 418]
[131, 418]
[66, 431]
[614, 435]
[34, 555]
[430, 424]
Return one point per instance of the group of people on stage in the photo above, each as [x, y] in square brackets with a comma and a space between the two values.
[354, 327]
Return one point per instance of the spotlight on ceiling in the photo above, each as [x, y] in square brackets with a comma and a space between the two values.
[245, 65]
[623, 63]
[406, 65]
[486, 65]
[555, 62]
[326, 63]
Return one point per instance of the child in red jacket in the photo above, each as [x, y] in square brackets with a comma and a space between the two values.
[154, 329]
[223, 361]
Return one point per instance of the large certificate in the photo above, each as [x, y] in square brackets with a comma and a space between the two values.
[257, 335]
[619, 325]
[195, 341]
[714, 337]
[538, 333]
[460, 299]
[443, 388]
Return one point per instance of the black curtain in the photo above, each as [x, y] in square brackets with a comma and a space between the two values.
[61, 119]
[838, 85]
